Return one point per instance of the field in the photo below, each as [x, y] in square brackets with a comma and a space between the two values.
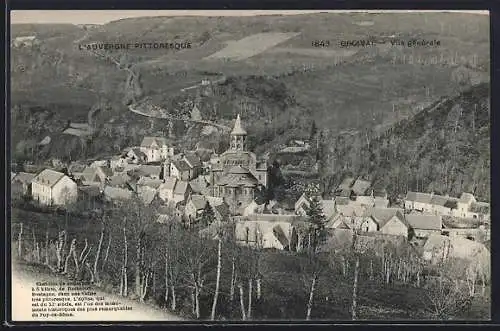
[251, 45]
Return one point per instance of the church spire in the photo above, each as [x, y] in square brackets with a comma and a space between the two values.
[238, 129]
[238, 136]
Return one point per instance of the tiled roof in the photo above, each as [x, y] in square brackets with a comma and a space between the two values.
[424, 222]
[138, 153]
[346, 184]
[223, 210]
[48, 177]
[198, 184]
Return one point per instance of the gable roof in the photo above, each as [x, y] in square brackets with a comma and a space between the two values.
[424, 222]
[360, 186]
[384, 215]
[24, 177]
[439, 200]
[146, 194]
[148, 141]
[48, 177]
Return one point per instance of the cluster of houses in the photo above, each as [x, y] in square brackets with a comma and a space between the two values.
[184, 183]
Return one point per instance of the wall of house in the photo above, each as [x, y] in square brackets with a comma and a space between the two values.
[423, 233]
[64, 191]
[41, 193]
[395, 227]
[369, 225]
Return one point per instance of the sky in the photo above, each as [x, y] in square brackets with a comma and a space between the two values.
[105, 16]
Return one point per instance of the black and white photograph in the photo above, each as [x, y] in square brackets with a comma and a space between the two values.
[249, 165]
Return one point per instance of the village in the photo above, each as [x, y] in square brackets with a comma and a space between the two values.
[185, 183]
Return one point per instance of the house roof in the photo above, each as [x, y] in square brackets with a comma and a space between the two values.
[148, 141]
[424, 222]
[88, 174]
[169, 183]
[238, 129]
[138, 153]
[328, 207]
[76, 167]
[439, 200]
[383, 215]
[146, 194]
[466, 198]
[192, 159]
[198, 184]
[419, 197]
[48, 177]
[119, 180]
[198, 201]
[181, 165]
[153, 183]
[235, 180]
[181, 187]
[24, 177]
[149, 170]
[360, 186]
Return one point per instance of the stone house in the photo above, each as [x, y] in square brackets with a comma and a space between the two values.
[51, 187]
[96, 175]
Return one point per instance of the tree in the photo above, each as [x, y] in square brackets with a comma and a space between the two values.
[314, 130]
[208, 215]
[317, 221]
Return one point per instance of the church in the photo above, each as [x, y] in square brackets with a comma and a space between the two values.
[238, 175]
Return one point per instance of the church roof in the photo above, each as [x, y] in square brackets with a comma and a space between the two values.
[238, 129]
[235, 180]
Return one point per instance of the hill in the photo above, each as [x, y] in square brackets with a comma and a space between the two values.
[444, 148]
[286, 84]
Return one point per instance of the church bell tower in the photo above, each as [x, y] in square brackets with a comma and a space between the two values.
[238, 136]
